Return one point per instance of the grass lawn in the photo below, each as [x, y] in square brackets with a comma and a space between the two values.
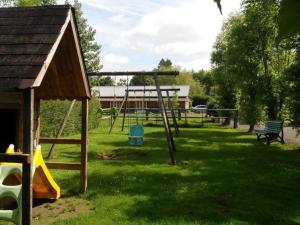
[222, 176]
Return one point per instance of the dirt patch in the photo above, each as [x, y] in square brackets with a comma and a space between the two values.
[64, 208]
[115, 154]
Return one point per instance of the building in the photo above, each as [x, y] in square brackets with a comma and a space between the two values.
[112, 96]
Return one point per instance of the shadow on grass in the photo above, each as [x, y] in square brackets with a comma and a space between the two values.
[222, 177]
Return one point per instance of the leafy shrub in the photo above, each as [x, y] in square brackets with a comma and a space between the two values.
[53, 112]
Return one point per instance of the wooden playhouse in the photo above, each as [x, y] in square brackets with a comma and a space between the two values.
[40, 59]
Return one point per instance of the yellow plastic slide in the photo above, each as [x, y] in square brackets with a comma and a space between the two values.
[43, 184]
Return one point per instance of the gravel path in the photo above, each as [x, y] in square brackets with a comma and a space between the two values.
[290, 134]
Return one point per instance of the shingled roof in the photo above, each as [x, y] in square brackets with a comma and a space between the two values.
[39, 48]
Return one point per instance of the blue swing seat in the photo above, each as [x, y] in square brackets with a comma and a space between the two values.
[136, 134]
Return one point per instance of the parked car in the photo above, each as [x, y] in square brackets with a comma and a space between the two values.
[199, 109]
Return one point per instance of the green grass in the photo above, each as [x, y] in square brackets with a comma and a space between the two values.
[223, 176]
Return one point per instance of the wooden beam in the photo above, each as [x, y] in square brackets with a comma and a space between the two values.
[173, 115]
[135, 73]
[62, 126]
[15, 158]
[125, 109]
[50, 55]
[27, 149]
[60, 141]
[84, 144]
[63, 166]
[147, 90]
[169, 136]
[114, 121]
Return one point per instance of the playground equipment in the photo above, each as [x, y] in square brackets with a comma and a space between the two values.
[43, 185]
[154, 74]
[136, 134]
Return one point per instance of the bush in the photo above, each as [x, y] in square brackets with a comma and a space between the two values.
[52, 114]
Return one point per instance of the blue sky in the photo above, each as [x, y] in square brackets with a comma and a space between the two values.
[135, 35]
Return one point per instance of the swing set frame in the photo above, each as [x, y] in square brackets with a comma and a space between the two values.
[164, 115]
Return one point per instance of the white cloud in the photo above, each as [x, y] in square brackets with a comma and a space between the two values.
[137, 34]
[182, 32]
[112, 61]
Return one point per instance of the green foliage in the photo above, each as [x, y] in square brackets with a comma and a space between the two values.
[52, 114]
[141, 81]
[35, 2]
[101, 81]
[289, 23]
[91, 49]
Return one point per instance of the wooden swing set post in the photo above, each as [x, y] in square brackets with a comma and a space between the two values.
[169, 136]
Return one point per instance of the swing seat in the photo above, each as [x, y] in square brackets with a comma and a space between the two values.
[136, 135]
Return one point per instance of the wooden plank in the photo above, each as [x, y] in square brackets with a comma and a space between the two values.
[125, 109]
[137, 73]
[27, 149]
[15, 158]
[80, 57]
[173, 114]
[84, 145]
[63, 166]
[169, 136]
[61, 128]
[59, 141]
[28, 38]
[22, 60]
[23, 49]
[50, 56]
[114, 121]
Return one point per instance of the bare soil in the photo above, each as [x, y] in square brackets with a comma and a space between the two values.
[66, 207]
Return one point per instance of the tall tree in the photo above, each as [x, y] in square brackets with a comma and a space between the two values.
[90, 48]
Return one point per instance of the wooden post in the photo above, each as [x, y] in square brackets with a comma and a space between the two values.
[62, 126]
[173, 114]
[147, 114]
[170, 141]
[179, 114]
[28, 115]
[125, 109]
[112, 125]
[84, 144]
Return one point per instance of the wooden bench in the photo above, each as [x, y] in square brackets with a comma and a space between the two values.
[273, 132]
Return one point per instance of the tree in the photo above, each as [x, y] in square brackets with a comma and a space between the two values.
[35, 2]
[90, 48]
[141, 80]
[206, 79]
[102, 81]
[164, 63]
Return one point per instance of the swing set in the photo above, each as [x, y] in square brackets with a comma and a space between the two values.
[136, 131]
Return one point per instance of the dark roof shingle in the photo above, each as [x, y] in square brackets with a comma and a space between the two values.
[26, 38]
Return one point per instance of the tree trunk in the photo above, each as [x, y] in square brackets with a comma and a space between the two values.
[251, 127]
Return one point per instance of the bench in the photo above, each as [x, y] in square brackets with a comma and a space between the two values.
[273, 132]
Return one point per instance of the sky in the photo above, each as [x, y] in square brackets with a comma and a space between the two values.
[137, 34]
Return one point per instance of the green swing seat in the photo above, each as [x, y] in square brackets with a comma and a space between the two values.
[136, 134]
[14, 192]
